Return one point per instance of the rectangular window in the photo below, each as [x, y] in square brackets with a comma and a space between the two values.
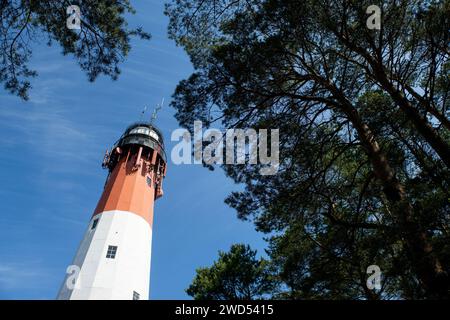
[136, 296]
[94, 224]
[111, 254]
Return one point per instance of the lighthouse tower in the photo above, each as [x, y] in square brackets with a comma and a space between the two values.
[113, 259]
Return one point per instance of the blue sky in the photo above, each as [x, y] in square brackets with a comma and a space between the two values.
[51, 176]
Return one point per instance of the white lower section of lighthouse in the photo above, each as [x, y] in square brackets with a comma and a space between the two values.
[113, 260]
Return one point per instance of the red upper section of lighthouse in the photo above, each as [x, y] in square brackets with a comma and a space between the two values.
[137, 166]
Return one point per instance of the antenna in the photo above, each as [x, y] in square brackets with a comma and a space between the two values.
[143, 112]
[155, 112]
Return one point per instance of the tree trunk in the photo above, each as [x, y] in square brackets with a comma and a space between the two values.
[426, 103]
[427, 266]
[420, 123]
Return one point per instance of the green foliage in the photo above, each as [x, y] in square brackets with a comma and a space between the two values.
[99, 46]
[236, 275]
[364, 135]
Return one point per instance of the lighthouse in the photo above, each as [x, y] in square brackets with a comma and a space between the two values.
[113, 258]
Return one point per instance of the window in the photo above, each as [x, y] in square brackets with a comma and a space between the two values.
[94, 224]
[146, 131]
[149, 182]
[136, 296]
[140, 130]
[111, 254]
[154, 135]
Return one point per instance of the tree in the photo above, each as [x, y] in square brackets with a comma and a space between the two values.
[99, 46]
[236, 275]
[365, 139]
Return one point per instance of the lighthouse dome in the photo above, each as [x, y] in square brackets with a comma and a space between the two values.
[145, 128]
[144, 134]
